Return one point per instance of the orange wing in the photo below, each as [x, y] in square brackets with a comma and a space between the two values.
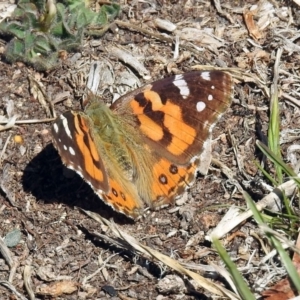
[176, 116]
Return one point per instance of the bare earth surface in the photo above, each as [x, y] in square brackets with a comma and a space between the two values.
[42, 198]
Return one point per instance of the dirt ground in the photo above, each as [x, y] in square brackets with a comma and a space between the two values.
[43, 199]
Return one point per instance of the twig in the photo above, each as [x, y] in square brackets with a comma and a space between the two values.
[10, 123]
[225, 170]
[221, 12]
[11, 263]
[139, 29]
[128, 59]
[87, 278]
[12, 289]
[290, 98]
[235, 150]
[4, 149]
[27, 283]
[31, 121]
[41, 95]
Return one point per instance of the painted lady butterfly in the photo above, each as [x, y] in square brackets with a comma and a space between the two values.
[146, 147]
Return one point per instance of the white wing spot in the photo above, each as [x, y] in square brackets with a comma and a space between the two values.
[55, 127]
[182, 85]
[212, 87]
[66, 127]
[205, 75]
[71, 150]
[200, 106]
[65, 147]
[210, 97]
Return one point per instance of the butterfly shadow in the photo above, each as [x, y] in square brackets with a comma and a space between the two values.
[47, 179]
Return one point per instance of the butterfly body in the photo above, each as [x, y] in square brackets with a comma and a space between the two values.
[146, 148]
[114, 138]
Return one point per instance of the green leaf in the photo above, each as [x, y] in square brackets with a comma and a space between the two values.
[42, 44]
[16, 29]
[24, 9]
[29, 41]
[40, 28]
[15, 50]
[111, 10]
[85, 17]
[102, 18]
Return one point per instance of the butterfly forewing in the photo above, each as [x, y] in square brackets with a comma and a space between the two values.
[177, 114]
[74, 141]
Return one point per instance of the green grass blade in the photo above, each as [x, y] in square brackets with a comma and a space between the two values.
[266, 174]
[274, 129]
[278, 161]
[288, 264]
[239, 282]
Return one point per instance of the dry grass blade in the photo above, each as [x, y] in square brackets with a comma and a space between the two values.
[221, 270]
[206, 284]
[175, 265]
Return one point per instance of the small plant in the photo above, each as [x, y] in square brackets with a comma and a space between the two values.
[41, 29]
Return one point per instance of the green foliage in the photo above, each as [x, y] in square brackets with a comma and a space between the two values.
[40, 29]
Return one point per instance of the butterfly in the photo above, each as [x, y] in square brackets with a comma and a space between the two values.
[145, 149]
